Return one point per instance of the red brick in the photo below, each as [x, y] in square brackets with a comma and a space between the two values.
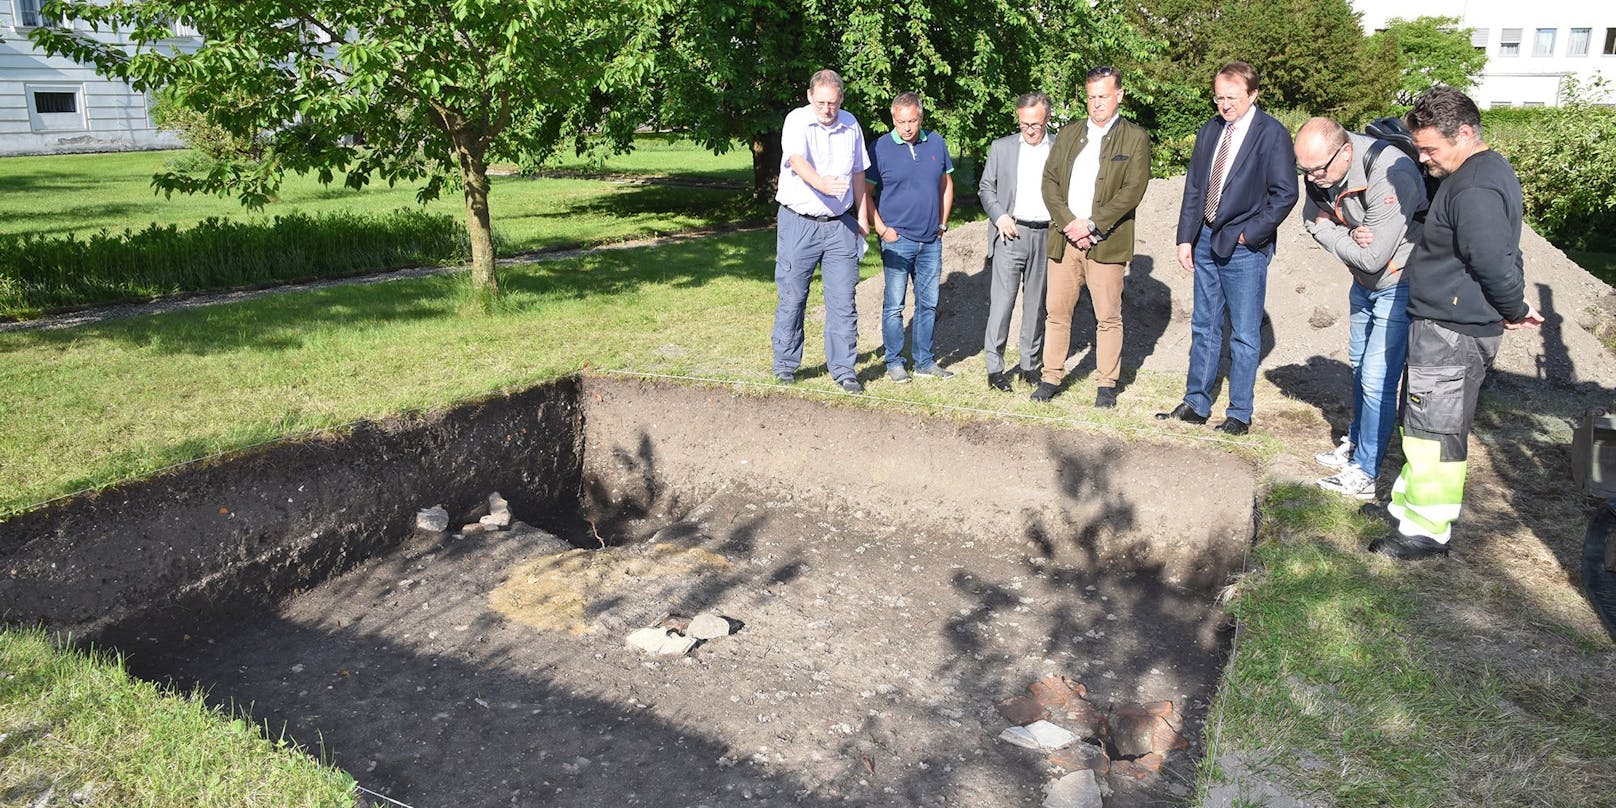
[1021, 710]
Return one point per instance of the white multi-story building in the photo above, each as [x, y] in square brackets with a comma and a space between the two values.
[1530, 46]
[52, 105]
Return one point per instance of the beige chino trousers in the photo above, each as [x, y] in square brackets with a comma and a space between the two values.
[1066, 279]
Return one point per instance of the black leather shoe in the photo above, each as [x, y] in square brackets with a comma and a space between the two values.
[1105, 397]
[850, 385]
[1233, 426]
[1045, 391]
[1033, 378]
[1181, 413]
[1407, 548]
[1000, 382]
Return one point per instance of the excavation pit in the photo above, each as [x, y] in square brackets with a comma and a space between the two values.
[892, 576]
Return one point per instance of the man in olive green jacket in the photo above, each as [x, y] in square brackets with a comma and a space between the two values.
[1093, 181]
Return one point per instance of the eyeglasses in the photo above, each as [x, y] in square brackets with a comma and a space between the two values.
[1031, 127]
[1319, 171]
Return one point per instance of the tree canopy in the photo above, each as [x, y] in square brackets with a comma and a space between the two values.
[1431, 51]
[728, 71]
[423, 91]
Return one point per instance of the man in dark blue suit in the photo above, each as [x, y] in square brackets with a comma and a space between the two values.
[1241, 185]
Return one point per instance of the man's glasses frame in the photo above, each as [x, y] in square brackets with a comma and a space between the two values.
[1321, 170]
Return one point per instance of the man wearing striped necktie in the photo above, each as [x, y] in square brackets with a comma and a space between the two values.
[1241, 185]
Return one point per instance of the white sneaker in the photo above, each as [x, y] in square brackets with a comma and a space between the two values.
[1339, 457]
[1351, 482]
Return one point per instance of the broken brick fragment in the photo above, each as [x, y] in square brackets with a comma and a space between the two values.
[1020, 710]
[1055, 691]
[1135, 731]
[1082, 756]
[1083, 718]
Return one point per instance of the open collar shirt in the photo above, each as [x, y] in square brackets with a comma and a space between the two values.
[834, 151]
[1086, 170]
[1029, 205]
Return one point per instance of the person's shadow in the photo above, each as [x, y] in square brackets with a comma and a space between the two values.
[962, 314]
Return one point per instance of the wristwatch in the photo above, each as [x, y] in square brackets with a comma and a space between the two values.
[942, 228]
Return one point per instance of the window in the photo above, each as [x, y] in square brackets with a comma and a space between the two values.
[1578, 45]
[1610, 42]
[28, 16]
[1478, 38]
[55, 107]
[1543, 44]
[1500, 105]
[56, 103]
[1509, 42]
[1531, 103]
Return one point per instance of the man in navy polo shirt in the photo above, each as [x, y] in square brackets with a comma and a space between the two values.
[912, 191]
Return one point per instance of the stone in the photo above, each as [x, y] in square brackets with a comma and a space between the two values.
[661, 641]
[1076, 790]
[677, 622]
[434, 520]
[708, 626]
[1021, 710]
[1038, 735]
[1082, 756]
[1322, 318]
[473, 529]
[1131, 768]
[495, 521]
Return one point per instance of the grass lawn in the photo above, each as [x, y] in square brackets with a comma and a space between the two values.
[1340, 674]
[84, 194]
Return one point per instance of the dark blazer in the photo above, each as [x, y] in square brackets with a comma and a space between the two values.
[1260, 192]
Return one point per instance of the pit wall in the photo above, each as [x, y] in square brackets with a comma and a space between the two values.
[1173, 511]
[238, 533]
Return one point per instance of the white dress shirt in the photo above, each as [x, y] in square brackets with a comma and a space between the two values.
[1242, 125]
[1029, 205]
[1086, 171]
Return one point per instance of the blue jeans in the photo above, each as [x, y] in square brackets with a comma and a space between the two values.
[800, 244]
[923, 261]
[1378, 348]
[1238, 286]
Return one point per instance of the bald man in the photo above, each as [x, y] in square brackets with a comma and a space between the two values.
[1365, 201]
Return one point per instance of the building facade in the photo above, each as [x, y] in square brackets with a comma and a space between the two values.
[1531, 47]
[53, 105]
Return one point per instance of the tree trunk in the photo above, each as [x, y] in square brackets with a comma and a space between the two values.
[474, 173]
[766, 159]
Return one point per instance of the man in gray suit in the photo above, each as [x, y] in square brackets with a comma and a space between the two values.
[1018, 240]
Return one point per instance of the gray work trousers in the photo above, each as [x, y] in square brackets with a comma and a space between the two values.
[1020, 263]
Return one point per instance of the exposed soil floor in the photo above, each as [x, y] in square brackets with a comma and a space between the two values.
[864, 672]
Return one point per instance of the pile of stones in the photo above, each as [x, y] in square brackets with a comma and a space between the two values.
[675, 635]
[1087, 742]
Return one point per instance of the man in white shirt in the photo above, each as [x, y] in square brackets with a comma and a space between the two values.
[822, 220]
[1095, 178]
[1011, 194]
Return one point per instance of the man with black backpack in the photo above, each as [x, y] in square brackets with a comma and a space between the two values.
[1365, 200]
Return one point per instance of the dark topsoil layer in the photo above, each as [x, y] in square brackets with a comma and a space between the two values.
[894, 576]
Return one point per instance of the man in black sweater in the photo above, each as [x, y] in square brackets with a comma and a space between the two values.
[1466, 287]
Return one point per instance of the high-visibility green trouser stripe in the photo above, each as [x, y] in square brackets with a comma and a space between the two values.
[1429, 491]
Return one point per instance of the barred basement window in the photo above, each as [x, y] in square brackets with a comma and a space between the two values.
[49, 103]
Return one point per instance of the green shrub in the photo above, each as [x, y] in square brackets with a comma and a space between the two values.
[41, 273]
[1566, 159]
